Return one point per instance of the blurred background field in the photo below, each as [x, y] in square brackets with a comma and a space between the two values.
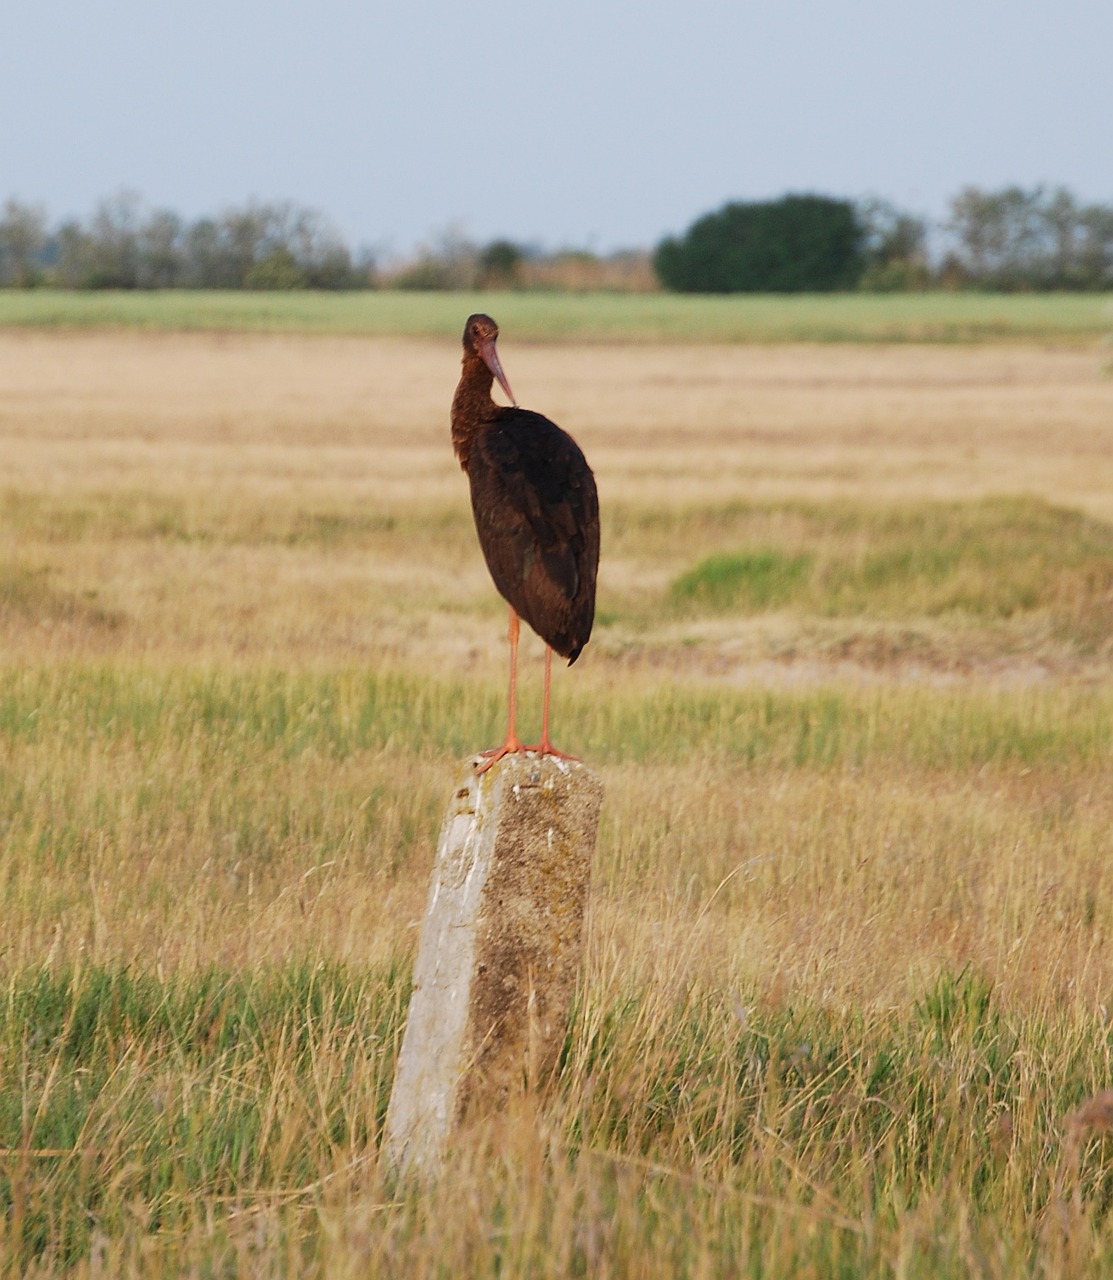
[568, 315]
[848, 971]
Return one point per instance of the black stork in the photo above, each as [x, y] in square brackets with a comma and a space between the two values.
[537, 515]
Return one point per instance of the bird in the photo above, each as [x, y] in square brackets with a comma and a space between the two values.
[536, 509]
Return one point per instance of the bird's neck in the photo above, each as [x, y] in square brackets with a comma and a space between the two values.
[472, 405]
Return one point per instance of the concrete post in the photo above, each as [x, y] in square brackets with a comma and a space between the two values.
[500, 949]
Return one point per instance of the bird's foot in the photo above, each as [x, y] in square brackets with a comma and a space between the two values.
[513, 747]
[546, 748]
[510, 747]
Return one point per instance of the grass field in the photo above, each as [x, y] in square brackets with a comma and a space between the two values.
[539, 317]
[845, 1007]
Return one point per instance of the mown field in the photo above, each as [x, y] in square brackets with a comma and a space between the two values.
[845, 1007]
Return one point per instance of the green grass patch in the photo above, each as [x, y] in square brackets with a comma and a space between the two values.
[751, 580]
[124, 1089]
[935, 317]
[991, 559]
[217, 1119]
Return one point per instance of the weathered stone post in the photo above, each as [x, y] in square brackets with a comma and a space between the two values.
[500, 949]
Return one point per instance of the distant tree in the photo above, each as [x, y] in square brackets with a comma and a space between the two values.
[161, 251]
[105, 254]
[278, 269]
[1060, 214]
[200, 252]
[998, 235]
[268, 246]
[1094, 246]
[1037, 239]
[797, 243]
[22, 242]
[321, 254]
[246, 239]
[332, 267]
[364, 273]
[254, 246]
[73, 267]
[451, 263]
[500, 264]
[894, 247]
[114, 241]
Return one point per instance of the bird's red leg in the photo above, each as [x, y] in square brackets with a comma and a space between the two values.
[512, 743]
[546, 748]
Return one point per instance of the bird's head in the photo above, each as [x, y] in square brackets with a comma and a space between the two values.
[480, 336]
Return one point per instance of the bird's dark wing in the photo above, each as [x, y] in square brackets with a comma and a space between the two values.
[537, 516]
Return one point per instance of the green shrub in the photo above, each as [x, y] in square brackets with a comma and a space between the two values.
[800, 243]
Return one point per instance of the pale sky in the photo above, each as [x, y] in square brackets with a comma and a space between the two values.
[586, 124]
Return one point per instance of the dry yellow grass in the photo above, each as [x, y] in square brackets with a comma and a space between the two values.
[294, 503]
[363, 420]
[274, 496]
[169, 480]
[247, 632]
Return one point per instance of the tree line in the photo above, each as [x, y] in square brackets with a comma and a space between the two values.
[1011, 239]
[125, 246]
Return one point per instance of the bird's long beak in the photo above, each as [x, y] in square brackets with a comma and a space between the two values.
[491, 360]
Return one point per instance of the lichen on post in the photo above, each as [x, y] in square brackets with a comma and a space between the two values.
[500, 949]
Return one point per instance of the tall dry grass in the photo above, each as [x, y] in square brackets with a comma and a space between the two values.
[845, 995]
